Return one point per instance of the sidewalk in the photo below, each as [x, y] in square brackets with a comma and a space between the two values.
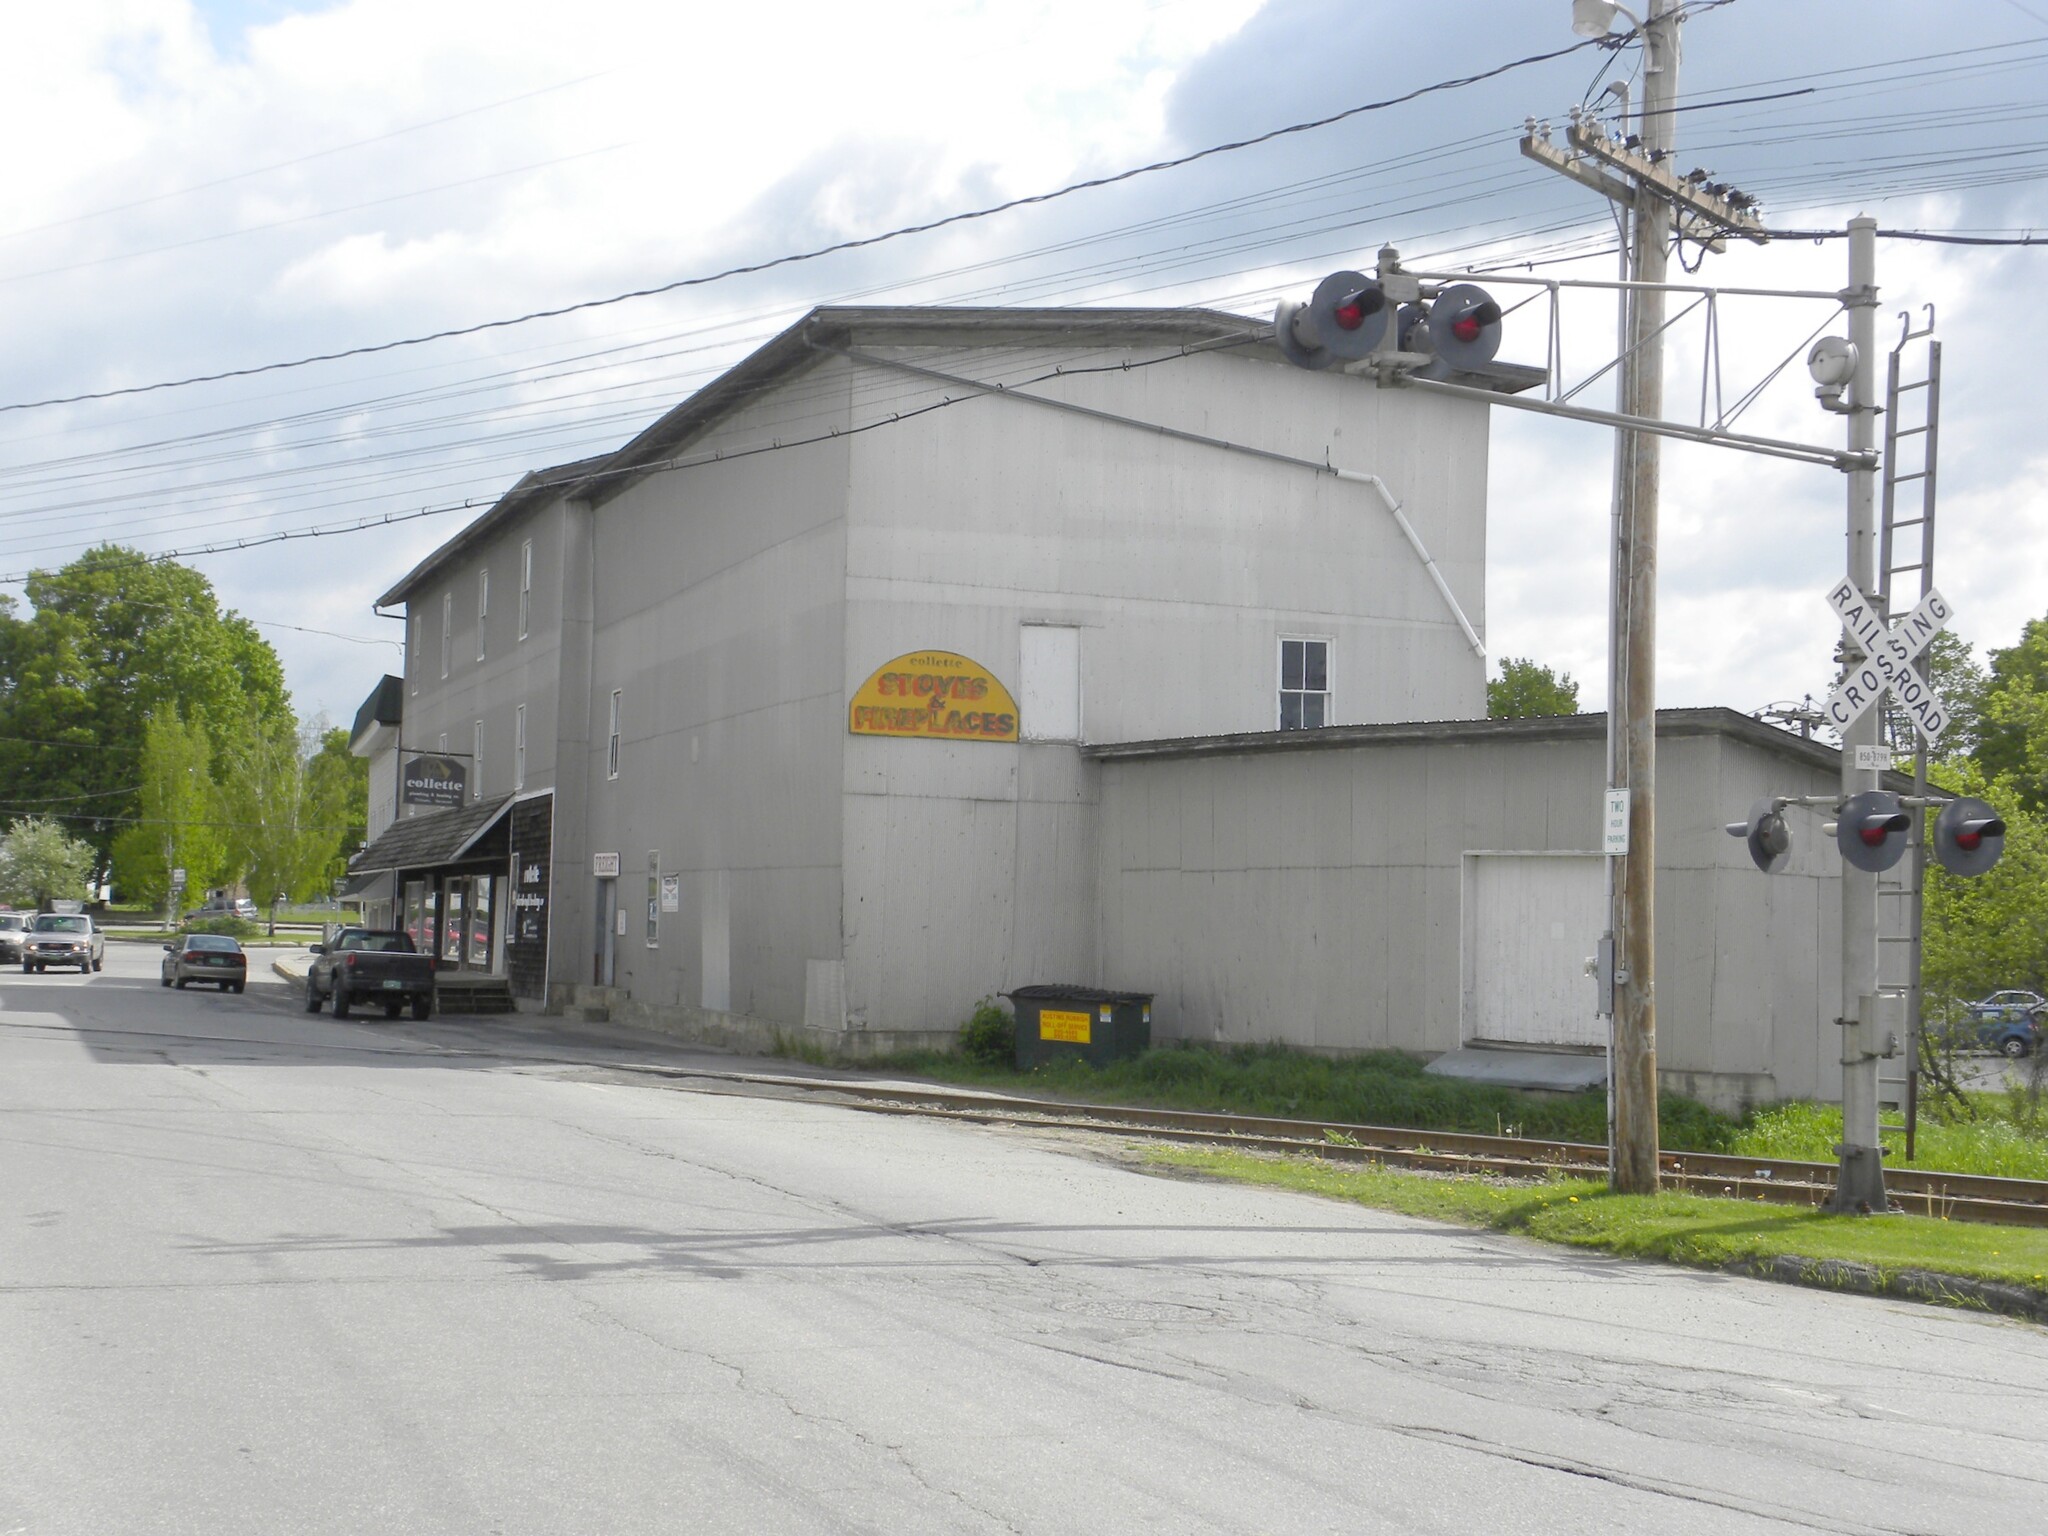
[293, 964]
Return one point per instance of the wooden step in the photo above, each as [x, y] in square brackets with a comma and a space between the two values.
[473, 994]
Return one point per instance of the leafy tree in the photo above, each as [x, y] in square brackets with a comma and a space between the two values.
[1960, 683]
[41, 862]
[1525, 688]
[279, 834]
[339, 783]
[113, 638]
[1989, 931]
[178, 828]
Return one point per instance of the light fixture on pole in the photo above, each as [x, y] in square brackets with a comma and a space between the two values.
[1595, 18]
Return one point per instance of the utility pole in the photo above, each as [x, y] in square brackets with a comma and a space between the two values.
[1632, 1164]
[1859, 1184]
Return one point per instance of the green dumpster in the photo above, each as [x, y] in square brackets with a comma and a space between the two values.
[1073, 1023]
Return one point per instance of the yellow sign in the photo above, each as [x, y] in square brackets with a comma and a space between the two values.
[1054, 1024]
[934, 694]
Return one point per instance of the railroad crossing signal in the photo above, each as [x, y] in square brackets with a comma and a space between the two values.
[1871, 830]
[1342, 322]
[1888, 660]
[1770, 840]
[1969, 835]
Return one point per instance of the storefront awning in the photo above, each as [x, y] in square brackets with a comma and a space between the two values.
[426, 842]
[364, 883]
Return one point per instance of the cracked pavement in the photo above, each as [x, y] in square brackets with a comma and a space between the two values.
[267, 1272]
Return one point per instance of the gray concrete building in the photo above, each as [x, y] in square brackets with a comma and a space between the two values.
[928, 653]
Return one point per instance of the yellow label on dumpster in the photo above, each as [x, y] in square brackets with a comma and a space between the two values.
[1056, 1024]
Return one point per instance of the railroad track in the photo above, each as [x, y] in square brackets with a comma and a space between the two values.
[1948, 1196]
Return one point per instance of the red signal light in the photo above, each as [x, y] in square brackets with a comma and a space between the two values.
[1350, 311]
[1465, 328]
[1873, 837]
[1970, 837]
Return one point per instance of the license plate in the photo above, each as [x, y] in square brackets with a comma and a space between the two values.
[394, 986]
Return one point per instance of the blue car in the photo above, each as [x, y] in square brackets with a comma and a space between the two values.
[2009, 1022]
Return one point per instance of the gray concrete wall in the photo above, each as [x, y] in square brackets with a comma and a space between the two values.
[1314, 897]
[514, 671]
[717, 612]
[971, 868]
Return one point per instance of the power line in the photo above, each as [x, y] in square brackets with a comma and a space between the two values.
[793, 258]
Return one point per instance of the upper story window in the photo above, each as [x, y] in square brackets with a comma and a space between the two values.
[519, 747]
[483, 609]
[1304, 684]
[525, 586]
[447, 632]
[416, 660]
[611, 751]
[476, 763]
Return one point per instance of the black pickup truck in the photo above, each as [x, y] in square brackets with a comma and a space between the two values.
[370, 966]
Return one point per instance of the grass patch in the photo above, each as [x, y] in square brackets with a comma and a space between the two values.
[1678, 1228]
[1376, 1088]
[1999, 1141]
[2003, 1134]
[801, 1047]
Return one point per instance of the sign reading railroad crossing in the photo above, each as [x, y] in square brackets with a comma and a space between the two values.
[1887, 664]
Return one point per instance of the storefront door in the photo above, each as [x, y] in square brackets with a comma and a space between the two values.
[604, 966]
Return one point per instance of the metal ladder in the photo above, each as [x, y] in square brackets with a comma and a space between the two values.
[1906, 547]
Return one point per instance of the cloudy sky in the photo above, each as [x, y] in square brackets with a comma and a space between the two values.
[198, 187]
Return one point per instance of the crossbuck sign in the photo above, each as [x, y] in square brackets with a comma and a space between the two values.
[1888, 660]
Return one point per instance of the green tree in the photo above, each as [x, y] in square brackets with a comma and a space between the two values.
[111, 639]
[41, 862]
[1989, 931]
[1525, 688]
[178, 806]
[339, 783]
[280, 835]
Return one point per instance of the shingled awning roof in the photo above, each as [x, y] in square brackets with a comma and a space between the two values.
[422, 842]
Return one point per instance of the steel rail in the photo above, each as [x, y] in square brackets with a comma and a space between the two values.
[1947, 1196]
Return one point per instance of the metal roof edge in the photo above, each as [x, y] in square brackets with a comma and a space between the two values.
[529, 490]
[1671, 723]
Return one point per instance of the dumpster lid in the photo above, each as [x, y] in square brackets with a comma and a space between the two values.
[1045, 993]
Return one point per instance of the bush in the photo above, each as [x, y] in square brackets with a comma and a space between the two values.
[227, 925]
[990, 1035]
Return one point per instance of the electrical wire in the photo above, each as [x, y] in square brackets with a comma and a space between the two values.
[792, 258]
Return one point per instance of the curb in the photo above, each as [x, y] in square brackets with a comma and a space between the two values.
[1924, 1285]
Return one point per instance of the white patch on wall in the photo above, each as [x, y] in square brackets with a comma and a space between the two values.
[715, 933]
[1530, 921]
[1049, 677]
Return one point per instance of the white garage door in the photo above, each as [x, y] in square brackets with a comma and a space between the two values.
[1531, 919]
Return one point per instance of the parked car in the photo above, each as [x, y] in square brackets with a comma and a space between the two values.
[13, 929]
[370, 965]
[63, 938]
[223, 906]
[207, 957]
[2012, 1004]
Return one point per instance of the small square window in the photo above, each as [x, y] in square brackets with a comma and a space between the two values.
[1304, 684]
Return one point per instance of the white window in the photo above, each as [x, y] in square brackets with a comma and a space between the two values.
[611, 751]
[483, 608]
[447, 631]
[519, 747]
[1304, 684]
[525, 586]
[441, 746]
[1049, 674]
[417, 660]
[476, 764]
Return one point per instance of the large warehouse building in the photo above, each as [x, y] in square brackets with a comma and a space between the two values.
[930, 653]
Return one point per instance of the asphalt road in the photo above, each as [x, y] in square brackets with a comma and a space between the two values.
[270, 1273]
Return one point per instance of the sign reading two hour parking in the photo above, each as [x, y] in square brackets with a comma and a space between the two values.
[1887, 665]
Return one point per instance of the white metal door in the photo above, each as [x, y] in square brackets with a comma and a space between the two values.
[1531, 919]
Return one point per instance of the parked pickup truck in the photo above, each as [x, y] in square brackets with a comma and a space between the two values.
[370, 966]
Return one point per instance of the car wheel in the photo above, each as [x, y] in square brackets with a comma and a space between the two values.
[163, 981]
[340, 1000]
[235, 987]
[391, 1010]
[100, 964]
[181, 982]
[312, 997]
[422, 1007]
[2013, 1046]
[39, 967]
